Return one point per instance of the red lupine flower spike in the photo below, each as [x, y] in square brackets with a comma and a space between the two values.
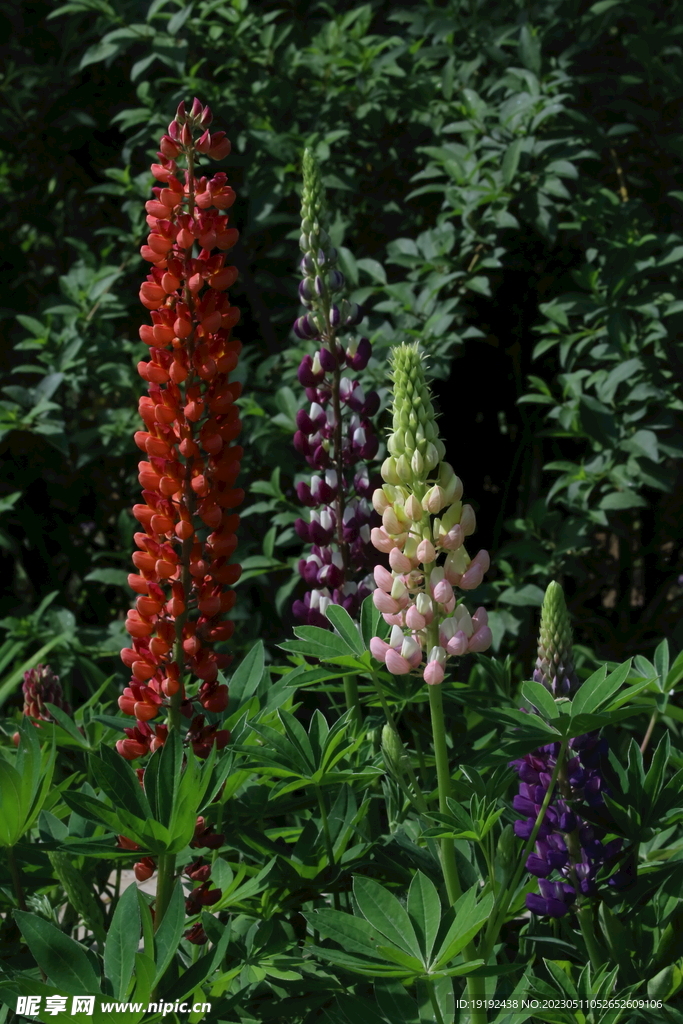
[190, 467]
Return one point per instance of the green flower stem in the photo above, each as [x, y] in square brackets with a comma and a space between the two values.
[438, 1016]
[328, 839]
[420, 801]
[497, 918]
[15, 873]
[476, 987]
[353, 700]
[584, 912]
[443, 773]
[165, 880]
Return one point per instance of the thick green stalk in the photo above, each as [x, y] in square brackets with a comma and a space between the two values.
[15, 873]
[438, 1016]
[328, 839]
[476, 987]
[165, 880]
[420, 801]
[353, 700]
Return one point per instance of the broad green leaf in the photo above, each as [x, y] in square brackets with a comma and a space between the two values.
[424, 910]
[122, 942]
[169, 932]
[355, 933]
[541, 699]
[12, 813]
[371, 621]
[246, 678]
[598, 688]
[346, 627]
[511, 160]
[384, 912]
[64, 961]
[470, 916]
[118, 781]
[67, 725]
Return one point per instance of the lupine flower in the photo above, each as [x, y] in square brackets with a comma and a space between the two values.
[423, 518]
[335, 435]
[191, 422]
[581, 784]
[40, 687]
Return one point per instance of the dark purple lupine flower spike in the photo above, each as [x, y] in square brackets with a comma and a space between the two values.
[334, 433]
[40, 687]
[580, 784]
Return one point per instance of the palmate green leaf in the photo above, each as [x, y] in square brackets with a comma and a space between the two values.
[371, 622]
[394, 1001]
[280, 752]
[298, 738]
[167, 779]
[598, 688]
[11, 815]
[118, 781]
[318, 731]
[64, 961]
[68, 726]
[470, 916]
[346, 627]
[317, 642]
[246, 678]
[424, 910]
[541, 699]
[385, 913]
[355, 933]
[366, 967]
[397, 956]
[122, 942]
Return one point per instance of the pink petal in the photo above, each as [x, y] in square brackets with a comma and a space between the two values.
[433, 673]
[398, 561]
[457, 644]
[378, 649]
[397, 665]
[383, 579]
[384, 603]
[414, 620]
[480, 641]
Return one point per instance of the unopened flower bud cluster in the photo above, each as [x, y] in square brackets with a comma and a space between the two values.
[423, 531]
[335, 434]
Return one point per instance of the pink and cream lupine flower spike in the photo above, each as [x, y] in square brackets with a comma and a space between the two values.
[423, 519]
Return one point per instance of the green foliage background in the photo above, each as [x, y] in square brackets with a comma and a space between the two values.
[504, 183]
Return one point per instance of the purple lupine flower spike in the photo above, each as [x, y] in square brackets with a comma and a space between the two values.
[337, 568]
[581, 784]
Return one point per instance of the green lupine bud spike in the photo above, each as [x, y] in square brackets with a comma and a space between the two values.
[393, 750]
[313, 209]
[413, 415]
[555, 661]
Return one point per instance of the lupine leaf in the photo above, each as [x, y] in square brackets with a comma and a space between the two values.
[384, 912]
[64, 961]
[122, 942]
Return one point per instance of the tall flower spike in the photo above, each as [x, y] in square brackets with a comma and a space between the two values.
[335, 435]
[555, 662]
[423, 518]
[191, 422]
[566, 843]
